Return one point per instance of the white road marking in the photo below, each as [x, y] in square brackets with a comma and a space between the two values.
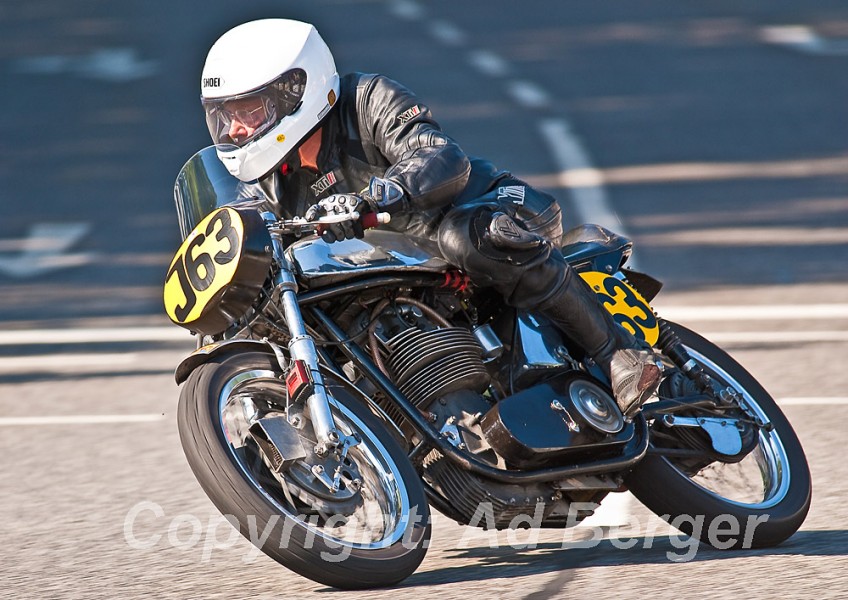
[571, 159]
[61, 362]
[447, 33]
[580, 178]
[823, 401]
[749, 236]
[109, 64]
[406, 9]
[775, 337]
[528, 94]
[678, 172]
[94, 335]
[79, 420]
[45, 249]
[614, 511]
[590, 201]
[142, 362]
[754, 312]
[488, 63]
[803, 39]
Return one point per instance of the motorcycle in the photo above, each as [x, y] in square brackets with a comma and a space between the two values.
[339, 391]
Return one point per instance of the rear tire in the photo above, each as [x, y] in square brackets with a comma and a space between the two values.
[670, 493]
[237, 487]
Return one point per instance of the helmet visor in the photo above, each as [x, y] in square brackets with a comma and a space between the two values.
[242, 118]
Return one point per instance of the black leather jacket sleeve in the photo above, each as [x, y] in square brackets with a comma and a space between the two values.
[425, 162]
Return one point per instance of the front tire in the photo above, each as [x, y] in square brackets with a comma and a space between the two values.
[682, 498]
[299, 532]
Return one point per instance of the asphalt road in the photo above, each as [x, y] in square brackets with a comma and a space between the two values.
[714, 135]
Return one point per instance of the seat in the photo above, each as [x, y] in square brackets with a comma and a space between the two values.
[588, 241]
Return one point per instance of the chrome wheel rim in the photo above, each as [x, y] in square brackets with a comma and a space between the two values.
[761, 479]
[385, 511]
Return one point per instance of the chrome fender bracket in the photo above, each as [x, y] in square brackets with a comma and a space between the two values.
[724, 433]
[278, 441]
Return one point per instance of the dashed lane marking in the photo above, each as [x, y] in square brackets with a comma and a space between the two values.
[118, 65]
[775, 337]
[45, 249]
[571, 158]
[804, 39]
[90, 335]
[488, 63]
[447, 33]
[528, 94]
[79, 420]
[800, 312]
[407, 10]
[754, 312]
[614, 511]
[813, 401]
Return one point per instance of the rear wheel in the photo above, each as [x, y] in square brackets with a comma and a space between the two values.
[757, 501]
[371, 532]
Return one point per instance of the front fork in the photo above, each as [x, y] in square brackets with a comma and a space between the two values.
[302, 349]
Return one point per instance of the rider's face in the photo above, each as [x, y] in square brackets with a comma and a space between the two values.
[247, 115]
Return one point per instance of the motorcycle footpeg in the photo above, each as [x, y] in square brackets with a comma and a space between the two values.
[278, 441]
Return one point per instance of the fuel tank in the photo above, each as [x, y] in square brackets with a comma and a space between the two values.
[380, 251]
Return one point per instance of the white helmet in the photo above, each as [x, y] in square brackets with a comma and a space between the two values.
[265, 86]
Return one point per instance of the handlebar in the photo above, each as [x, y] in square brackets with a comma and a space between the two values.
[299, 225]
[372, 219]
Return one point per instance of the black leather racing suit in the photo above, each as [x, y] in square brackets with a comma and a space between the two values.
[498, 230]
[379, 128]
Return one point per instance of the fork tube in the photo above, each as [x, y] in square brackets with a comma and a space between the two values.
[302, 347]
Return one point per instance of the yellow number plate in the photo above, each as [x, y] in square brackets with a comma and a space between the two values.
[205, 263]
[627, 306]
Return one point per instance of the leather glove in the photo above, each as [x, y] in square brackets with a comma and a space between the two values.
[384, 195]
[338, 204]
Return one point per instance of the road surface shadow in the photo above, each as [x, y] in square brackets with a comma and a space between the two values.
[498, 563]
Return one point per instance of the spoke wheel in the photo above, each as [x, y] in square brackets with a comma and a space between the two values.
[371, 532]
[765, 496]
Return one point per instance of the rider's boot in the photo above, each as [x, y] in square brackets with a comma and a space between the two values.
[633, 368]
[524, 267]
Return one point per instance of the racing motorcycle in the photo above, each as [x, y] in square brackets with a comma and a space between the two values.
[339, 391]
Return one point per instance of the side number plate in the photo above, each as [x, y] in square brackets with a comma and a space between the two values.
[627, 306]
[203, 266]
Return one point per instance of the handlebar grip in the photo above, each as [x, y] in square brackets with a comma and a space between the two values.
[372, 219]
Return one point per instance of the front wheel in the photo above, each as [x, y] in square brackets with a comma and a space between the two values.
[758, 501]
[370, 534]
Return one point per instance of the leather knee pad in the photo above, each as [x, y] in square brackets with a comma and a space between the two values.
[539, 212]
[524, 278]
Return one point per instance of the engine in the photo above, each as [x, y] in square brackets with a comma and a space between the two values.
[429, 364]
[454, 374]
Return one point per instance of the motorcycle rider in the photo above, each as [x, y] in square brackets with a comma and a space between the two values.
[310, 142]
